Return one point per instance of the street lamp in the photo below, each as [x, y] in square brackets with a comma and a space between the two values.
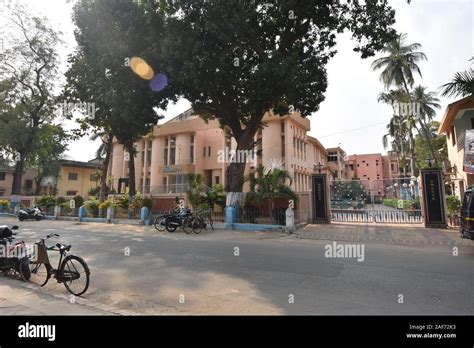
[318, 167]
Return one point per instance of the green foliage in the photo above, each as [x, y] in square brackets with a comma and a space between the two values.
[60, 200]
[437, 142]
[147, 202]
[46, 201]
[29, 68]
[453, 204]
[79, 201]
[196, 189]
[4, 203]
[92, 204]
[94, 191]
[106, 204]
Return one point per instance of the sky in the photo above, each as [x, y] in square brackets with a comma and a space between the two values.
[350, 116]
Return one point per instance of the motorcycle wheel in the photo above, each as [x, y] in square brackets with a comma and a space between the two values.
[38, 217]
[21, 217]
[171, 227]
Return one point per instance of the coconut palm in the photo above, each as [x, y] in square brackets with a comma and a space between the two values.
[462, 84]
[268, 183]
[398, 69]
[428, 102]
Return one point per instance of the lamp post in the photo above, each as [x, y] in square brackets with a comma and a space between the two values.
[318, 167]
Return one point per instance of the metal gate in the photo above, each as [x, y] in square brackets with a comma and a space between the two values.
[385, 201]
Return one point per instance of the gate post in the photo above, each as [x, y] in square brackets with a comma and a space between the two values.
[320, 199]
[432, 198]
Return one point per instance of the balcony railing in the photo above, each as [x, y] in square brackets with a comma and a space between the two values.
[172, 188]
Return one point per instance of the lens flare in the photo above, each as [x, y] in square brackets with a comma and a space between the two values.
[159, 82]
[141, 68]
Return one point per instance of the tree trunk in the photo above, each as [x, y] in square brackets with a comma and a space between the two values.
[412, 151]
[17, 176]
[132, 191]
[105, 167]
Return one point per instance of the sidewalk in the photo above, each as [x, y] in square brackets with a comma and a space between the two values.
[385, 234]
[20, 298]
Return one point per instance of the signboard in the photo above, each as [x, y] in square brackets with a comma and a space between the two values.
[320, 208]
[170, 169]
[433, 198]
[469, 151]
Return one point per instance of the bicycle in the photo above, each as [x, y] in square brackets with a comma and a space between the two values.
[72, 270]
[200, 221]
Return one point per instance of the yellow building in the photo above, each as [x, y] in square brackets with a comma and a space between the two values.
[77, 178]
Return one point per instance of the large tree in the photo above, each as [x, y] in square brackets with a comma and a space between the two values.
[236, 63]
[28, 70]
[109, 33]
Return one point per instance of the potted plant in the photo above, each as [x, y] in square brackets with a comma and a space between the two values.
[453, 204]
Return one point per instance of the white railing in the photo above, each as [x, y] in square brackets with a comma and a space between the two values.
[381, 216]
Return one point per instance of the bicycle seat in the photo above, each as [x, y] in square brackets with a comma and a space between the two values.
[63, 247]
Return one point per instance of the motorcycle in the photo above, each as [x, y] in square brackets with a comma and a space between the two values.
[178, 219]
[13, 255]
[34, 213]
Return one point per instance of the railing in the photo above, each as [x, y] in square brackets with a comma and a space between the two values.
[380, 216]
[172, 188]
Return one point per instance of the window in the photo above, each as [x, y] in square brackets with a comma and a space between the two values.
[29, 184]
[72, 176]
[71, 193]
[392, 168]
[209, 151]
[165, 155]
[367, 164]
[204, 151]
[216, 180]
[191, 149]
[453, 137]
[173, 155]
[2, 176]
[332, 156]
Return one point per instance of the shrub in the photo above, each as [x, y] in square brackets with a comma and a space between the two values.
[94, 191]
[106, 204]
[147, 202]
[453, 205]
[4, 203]
[60, 200]
[79, 201]
[46, 201]
[92, 204]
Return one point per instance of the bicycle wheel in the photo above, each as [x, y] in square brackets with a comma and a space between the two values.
[160, 223]
[170, 225]
[188, 225]
[198, 224]
[24, 269]
[39, 273]
[74, 273]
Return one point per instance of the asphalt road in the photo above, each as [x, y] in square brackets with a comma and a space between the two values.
[272, 274]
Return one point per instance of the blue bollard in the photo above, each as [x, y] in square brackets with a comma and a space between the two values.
[144, 215]
[230, 213]
[82, 213]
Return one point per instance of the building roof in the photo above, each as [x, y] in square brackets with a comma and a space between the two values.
[79, 164]
[451, 112]
[317, 142]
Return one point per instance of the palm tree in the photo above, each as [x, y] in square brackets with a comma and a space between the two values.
[268, 183]
[428, 102]
[462, 84]
[399, 66]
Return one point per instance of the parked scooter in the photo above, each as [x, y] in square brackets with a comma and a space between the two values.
[13, 255]
[34, 213]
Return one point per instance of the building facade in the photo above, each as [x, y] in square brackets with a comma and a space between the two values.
[77, 178]
[458, 117]
[187, 144]
[28, 183]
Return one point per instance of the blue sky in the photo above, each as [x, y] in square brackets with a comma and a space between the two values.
[350, 116]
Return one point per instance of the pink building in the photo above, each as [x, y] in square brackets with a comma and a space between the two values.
[374, 170]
